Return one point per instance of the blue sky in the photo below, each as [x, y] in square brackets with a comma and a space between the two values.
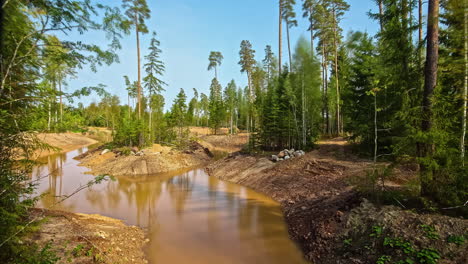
[190, 29]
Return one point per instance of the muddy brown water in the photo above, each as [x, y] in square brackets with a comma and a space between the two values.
[189, 217]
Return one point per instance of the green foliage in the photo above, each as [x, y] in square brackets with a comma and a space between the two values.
[430, 232]
[216, 107]
[458, 240]
[348, 241]
[406, 246]
[154, 68]
[383, 259]
[288, 118]
[215, 59]
[376, 231]
[428, 255]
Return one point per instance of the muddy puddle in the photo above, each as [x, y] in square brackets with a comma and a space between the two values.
[189, 217]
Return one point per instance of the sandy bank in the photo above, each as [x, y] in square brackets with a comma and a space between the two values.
[81, 238]
[63, 141]
[154, 160]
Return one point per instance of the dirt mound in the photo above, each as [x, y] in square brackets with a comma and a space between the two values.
[154, 160]
[80, 238]
[314, 224]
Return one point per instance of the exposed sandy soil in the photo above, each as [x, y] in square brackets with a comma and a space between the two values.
[157, 159]
[203, 131]
[80, 238]
[224, 143]
[63, 141]
[101, 134]
[322, 210]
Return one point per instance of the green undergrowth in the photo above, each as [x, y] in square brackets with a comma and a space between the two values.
[381, 245]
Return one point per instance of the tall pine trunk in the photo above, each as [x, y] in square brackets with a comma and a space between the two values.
[381, 14]
[304, 128]
[289, 47]
[465, 88]
[430, 82]
[280, 31]
[150, 122]
[420, 21]
[311, 32]
[335, 44]
[49, 116]
[61, 100]
[139, 66]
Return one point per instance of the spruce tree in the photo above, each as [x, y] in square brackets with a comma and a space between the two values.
[216, 106]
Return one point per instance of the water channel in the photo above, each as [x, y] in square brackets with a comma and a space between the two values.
[189, 217]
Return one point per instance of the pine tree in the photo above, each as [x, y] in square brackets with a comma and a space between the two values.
[288, 15]
[338, 7]
[247, 63]
[137, 12]
[215, 59]
[308, 7]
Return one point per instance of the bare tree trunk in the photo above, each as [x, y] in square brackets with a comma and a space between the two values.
[61, 102]
[335, 44]
[139, 66]
[327, 110]
[430, 82]
[432, 57]
[323, 89]
[381, 14]
[49, 117]
[465, 88]
[420, 21]
[311, 32]
[375, 128]
[230, 123]
[304, 128]
[289, 47]
[129, 107]
[280, 30]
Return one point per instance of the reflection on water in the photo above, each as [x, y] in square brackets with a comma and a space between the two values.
[189, 217]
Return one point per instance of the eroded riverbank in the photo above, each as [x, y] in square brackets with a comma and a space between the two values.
[329, 218]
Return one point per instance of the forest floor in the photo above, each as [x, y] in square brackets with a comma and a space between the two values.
[81, 238]
[332, 222]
